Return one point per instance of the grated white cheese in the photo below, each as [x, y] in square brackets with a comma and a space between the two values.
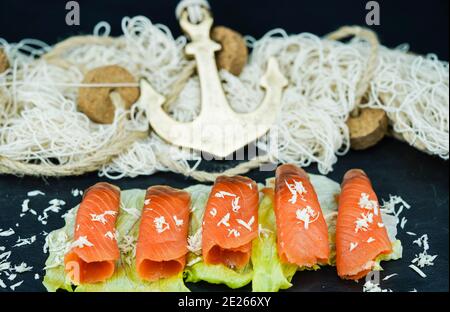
[418, 271]
[403, 222]
[127, 247]
[147, 201]
[296, 189]
[222, 194]
[25, 205]
[250, 185]
[247, 225]
[2, 284]
[5, 233]
[353, 246]
[110, 235]
[390, 205]
[366, 203]
[102, 217]
[195, 242]
[233, 232]
[35, 193]
[25, 241]
[76, 192]
[213, 212]
[178, 222]
[235, 204]
[55, 206]
[369, 286]
[305, 215]
[389, 276]
[81, 242]
[370, 239]
[422, 241]
[160, 224]
[363, 222]
[36, 276]
[411, 233]
[424, 259]
[23, 267]
[224, 220]
[13, 287]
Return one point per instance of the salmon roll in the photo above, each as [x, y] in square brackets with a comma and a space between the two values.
[360, 233]
[230, 222]
[302, 233]
[162, 243]
[94, 251]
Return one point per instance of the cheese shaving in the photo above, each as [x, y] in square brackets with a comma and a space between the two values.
[102, 217]
[366, 203]
[5, 233]
[235, 204]
[389, 276]
[369, 286]
[35, 193]
[195, 242]
[160, 224]
[296, 189]
[23, 267]
[247, 225]
[418, 271]
[305, 215]
[222, 194]
[224, 220]
[233, 232]
[81, 242]
[178, 222]
[25, 203]
[363, 222]
[353, 246]
[25, 241]
[13, 287]
[76, 192]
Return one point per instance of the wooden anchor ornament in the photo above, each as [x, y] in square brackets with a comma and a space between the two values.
[217, 130]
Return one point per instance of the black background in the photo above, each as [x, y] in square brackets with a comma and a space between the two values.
[395, 168]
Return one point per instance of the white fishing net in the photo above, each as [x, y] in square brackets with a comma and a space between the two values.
[39, 121]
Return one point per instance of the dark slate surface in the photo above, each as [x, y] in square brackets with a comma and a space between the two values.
[394, 167]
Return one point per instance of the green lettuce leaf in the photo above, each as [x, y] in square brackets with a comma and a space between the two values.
[125, 278]
[397, 251]
[269, 273]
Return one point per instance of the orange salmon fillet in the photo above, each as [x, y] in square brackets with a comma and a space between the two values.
[360, 233]
[94, 253]
[302, 233]
[230, 222]
[162, 243]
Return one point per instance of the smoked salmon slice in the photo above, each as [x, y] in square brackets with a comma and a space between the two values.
[360, 233]
[94, 251]
[302, 233]
[230, 222]
[162, 243]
